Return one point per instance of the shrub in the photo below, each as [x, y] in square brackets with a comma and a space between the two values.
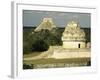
[26, 66]
[40, 45]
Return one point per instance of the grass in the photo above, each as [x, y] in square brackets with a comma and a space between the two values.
[51, 60]
[31, 54]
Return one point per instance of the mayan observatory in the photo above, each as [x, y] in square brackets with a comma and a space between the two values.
[74, 43]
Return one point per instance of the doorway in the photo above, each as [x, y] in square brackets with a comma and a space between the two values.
[78, 45]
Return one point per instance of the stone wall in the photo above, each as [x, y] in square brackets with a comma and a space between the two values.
[60, 65]
[61, 54]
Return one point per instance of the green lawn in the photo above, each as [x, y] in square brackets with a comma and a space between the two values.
[31, 54]
[51, 60]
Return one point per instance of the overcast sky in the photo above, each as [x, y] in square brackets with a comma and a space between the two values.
[60, 19]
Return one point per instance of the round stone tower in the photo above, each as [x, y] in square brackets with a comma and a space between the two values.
[73, 36]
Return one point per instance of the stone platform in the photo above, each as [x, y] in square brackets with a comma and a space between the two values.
[62, 53]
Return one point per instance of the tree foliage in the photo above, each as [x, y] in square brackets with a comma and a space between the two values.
[40, 45]
[41, 40]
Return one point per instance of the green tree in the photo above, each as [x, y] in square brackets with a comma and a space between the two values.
[40, 45]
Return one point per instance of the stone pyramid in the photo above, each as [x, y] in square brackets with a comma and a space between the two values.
[47, 23]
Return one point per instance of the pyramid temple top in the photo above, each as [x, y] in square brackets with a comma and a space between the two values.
[73, 32]
[47, 19]
[47, 23]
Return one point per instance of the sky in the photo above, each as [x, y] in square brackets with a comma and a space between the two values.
[33, 18]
